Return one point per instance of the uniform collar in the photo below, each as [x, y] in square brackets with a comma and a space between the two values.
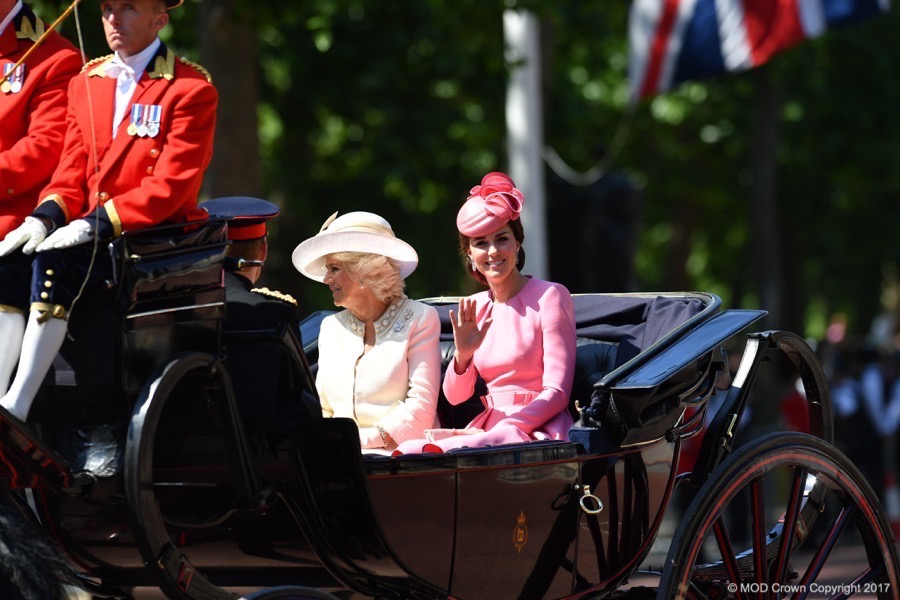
[28, 26]
[160, 64]
[139, 62]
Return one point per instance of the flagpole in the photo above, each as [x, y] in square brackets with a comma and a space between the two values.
[525, 131]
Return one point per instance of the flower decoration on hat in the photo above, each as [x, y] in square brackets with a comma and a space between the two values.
[501, 197]
[490, 205]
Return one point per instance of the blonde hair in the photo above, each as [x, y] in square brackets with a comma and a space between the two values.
[380, 273]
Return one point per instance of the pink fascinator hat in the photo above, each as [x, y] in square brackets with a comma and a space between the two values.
[490, 206]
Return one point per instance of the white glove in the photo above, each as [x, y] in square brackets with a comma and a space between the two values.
[77, 232]
[31, 233]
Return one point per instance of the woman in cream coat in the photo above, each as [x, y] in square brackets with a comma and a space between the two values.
[379, 358]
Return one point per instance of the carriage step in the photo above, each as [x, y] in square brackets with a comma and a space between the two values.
[25, 461]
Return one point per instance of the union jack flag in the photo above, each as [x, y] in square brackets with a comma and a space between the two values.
[671, 41]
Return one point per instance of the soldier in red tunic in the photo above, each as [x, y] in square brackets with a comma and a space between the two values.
[140, 126]
[32, 108]
[32, 127]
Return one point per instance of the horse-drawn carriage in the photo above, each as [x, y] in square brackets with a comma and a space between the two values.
[153, 471]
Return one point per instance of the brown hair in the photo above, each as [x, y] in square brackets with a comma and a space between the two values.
[518, 232]
[254, 249]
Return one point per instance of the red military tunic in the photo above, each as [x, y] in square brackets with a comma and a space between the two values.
[136, 181]
[32, 120]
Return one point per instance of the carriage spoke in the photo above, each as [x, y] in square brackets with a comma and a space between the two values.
[789, 531]
[868, 575]
[726, 550]
[814, 569]
[758, 525]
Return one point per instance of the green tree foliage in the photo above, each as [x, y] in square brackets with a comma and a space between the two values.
[389, 107]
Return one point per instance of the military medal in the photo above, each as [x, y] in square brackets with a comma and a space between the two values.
[155, 111]
[142, 126]
[6, 86]
[15, 85]
[137, 112]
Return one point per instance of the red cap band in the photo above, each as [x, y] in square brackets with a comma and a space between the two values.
[246, 232]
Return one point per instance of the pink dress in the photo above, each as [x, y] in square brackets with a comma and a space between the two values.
[527, 360]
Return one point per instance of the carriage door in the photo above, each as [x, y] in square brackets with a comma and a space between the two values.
[515, 533]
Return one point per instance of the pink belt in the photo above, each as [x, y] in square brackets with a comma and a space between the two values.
[509, 398]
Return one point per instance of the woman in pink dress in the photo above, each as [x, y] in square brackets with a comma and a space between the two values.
[518, 335]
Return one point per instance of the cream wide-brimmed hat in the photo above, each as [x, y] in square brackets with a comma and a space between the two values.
[353, 232]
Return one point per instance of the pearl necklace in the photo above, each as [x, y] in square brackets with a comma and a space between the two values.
[383, 323]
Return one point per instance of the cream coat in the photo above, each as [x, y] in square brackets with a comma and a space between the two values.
[394, 385]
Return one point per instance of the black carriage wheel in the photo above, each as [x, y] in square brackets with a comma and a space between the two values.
[770, 478]
[179, 579]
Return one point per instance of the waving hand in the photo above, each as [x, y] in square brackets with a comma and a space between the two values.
[466, 334]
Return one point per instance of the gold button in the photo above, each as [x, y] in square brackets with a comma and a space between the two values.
[150, 170]
[59, 311]
[50, 272]
[48, 284]
[44, 295]
[10, 191]
[154, 152]
[103, 196]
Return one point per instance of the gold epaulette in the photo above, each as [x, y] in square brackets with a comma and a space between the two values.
[93, 63]
[199, 68]
[275, 294]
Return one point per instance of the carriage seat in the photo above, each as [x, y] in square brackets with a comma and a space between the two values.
[593, 360]
[272, 381]
[460, 415]
[454, 416]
